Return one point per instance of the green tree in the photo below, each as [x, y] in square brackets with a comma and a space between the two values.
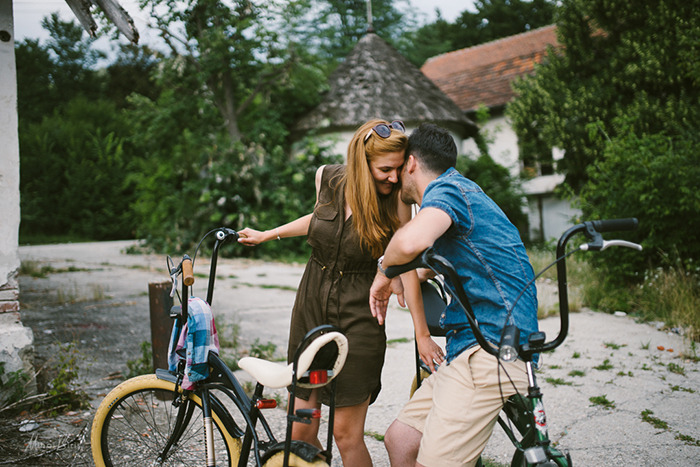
[493, 19]
[621, 98]
[35, 96]
[72, 172]
[639, 176]
[72, 156]
[74, 58]
[237, 53]
[132, 71]
[195, 178]
[617, 59]
[51, 74]
[429, 40]
[340, 24]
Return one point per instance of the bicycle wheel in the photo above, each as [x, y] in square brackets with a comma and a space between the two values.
[277, 460]
[133, 424]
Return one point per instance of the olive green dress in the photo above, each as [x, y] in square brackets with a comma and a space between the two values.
[335, 290]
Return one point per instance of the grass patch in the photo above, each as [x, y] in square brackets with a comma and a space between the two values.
[270, 286]
[614, 346]
[681, 388]
[687, 439]
[576, 355]
[41, 271]
[606, 365]
[672, 295]
[400, 340]
[142, 365]
[375, 435]
[558, 382]
[653, 421]
[265, 351]
[676, 368]
[602, 401]
[74, 294]
[577, 373]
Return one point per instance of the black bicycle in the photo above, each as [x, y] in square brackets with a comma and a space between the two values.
[152, 420]
[523, 418]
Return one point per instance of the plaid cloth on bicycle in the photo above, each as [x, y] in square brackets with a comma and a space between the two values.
[198, 337]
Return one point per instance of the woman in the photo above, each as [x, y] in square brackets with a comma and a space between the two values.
[358, 208]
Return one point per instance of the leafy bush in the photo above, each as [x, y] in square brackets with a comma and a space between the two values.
[194, 181]
[72, 171]
[653, 178]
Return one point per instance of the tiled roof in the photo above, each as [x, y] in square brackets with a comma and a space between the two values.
[482, 74]
[375, 80]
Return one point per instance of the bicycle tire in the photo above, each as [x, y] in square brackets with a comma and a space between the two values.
[414, 383]
[277, 460]
[133, 423]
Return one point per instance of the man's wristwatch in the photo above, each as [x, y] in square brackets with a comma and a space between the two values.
[379, 265]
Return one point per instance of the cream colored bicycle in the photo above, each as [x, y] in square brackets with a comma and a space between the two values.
[151, 420]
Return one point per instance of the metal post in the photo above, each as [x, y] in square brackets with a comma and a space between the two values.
[160, 303]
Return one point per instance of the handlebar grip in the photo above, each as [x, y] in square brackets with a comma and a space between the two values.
[396, 270]
[613, 225]
[187, 273]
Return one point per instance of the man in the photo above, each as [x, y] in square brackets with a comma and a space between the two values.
[451, 416]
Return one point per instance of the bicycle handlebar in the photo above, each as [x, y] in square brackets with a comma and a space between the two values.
[536, 342]
[615, 225]
[187, 273]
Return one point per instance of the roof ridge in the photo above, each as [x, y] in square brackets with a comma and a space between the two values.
[490, 43]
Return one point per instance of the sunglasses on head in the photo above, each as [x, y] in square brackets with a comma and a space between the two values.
[384, 131]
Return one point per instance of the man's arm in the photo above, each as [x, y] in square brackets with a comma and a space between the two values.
[407, 243]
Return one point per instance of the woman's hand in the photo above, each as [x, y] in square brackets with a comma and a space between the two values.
[430, 353]
[250, 237]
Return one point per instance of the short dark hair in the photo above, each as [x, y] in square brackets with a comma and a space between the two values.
[434, 147]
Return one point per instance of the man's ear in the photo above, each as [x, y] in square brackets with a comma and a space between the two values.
[411, 164]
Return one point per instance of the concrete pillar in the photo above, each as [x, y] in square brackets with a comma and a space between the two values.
[16, 341]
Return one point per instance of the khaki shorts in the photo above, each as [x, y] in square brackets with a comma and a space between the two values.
[456, 407]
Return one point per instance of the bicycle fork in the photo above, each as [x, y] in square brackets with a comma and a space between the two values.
[184, 415]
[541, 453]
[208, 428]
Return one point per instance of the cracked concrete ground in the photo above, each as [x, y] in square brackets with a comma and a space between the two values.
[97, 299]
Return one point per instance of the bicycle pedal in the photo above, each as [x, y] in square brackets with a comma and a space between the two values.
[308, 413]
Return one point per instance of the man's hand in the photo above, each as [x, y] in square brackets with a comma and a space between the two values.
[380, 292]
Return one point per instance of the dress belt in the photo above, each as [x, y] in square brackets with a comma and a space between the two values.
[357, 268]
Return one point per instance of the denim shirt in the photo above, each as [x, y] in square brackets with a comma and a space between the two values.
[486, 250]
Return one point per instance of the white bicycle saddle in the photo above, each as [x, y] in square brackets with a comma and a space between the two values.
[276, 375]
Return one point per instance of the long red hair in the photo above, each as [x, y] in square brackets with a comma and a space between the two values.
[375, 217]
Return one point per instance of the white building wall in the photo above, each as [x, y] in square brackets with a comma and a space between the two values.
[548, 216]
[503, 147]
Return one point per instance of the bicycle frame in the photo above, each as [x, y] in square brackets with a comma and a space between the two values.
[223, 381]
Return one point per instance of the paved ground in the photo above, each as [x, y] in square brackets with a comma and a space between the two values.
[96, 298]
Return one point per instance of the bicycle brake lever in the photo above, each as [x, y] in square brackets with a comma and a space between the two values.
[609, 243]
[173, 277]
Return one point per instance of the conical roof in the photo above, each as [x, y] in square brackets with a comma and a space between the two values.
[376, 81]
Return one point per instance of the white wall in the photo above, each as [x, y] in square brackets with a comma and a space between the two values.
[504, 146]
[548, 216]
